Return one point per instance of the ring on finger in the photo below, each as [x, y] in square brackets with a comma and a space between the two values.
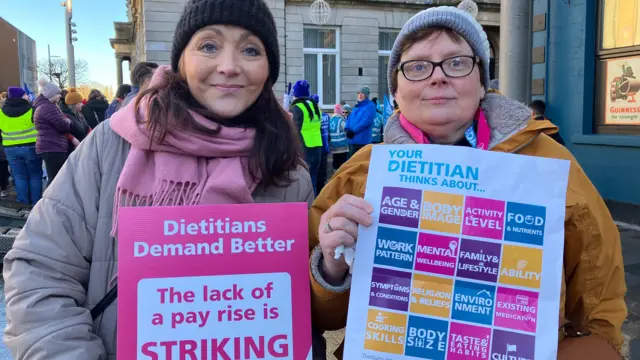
[328, 227]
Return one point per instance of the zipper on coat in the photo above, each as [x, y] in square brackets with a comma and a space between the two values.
[519, 148]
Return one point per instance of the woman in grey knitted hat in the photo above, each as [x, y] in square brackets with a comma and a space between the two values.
[439, 74]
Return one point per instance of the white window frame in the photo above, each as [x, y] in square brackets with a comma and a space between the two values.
[386, 53]
[319, 53]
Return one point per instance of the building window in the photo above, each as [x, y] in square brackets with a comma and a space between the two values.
[492, 63]
[618, 66]
[620, 23]
[322, 64]
[386, 38]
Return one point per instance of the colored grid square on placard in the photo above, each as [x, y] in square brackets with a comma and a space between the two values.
[386, 331]
[510, 345]
[479, 260]
[516, 309]
[525, 223]
[473, 302]
[390, 289]
[521, 266]
[483, 218]
[441, 212]
[426, 338]
[395, 247]
[468, 342]
[431, 295]
[436, 254]
[400, 207]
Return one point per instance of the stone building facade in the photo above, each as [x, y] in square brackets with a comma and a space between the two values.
[339, 57]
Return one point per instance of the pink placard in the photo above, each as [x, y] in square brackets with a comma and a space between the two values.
[214, 282]
[516, 309]
[468, 342]
[437, 254]
[483, 218]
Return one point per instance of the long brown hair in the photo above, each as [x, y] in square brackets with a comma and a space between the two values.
[276, 150]
[96, 94]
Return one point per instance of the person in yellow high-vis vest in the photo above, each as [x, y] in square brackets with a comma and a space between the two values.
[19, 141]
[308, 119]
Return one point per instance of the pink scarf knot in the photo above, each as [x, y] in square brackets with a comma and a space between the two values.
[484, 132]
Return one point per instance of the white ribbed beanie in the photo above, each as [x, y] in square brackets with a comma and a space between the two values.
[460, 19]
[48, 89]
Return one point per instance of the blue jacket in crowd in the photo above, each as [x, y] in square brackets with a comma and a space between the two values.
[361, 121]
[113, 107]
[339, 141]
[324, 129]
[378, 126]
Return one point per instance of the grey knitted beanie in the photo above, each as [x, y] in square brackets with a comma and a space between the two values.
[48, 89]
[461, 20]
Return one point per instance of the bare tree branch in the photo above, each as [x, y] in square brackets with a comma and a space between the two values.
[82, 72]
[57, 72]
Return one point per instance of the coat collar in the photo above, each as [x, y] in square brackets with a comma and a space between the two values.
[510, 122]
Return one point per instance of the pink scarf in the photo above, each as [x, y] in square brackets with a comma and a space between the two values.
[484, 132]
[186, 169]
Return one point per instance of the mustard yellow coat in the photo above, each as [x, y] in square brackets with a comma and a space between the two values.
[593, 289]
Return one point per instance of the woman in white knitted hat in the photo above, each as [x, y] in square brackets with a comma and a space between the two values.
[439, 75]
[54, 135]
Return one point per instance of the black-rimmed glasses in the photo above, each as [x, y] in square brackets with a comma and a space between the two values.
[453, 67]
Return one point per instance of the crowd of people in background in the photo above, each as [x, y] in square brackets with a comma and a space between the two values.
[340, 134]
[46, 131]
[538, 108]
[348, 129]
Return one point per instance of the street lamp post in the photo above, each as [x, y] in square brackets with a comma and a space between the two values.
[71, 64]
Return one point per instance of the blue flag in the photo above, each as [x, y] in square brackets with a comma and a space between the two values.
[388, 108]
[31, 95]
